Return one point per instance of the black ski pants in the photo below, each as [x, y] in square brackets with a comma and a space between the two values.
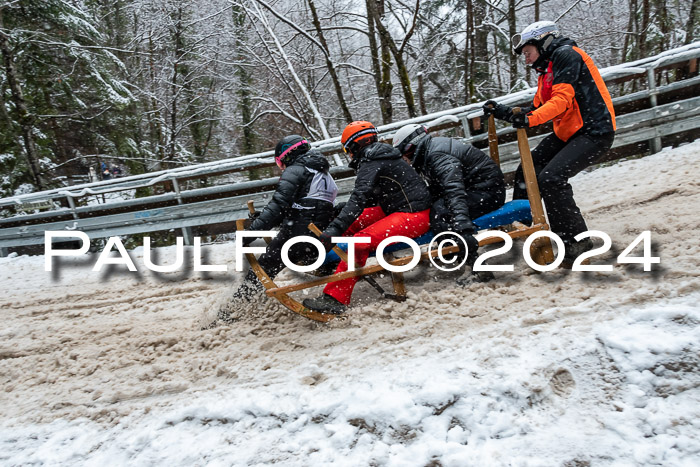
[301, 253]
[555, 162]
[480, 202]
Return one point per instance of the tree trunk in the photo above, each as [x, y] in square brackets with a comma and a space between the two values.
[512, 31]
[480, 48]
[469, 53]
[329, 64]
[631, 38]
[402, 70]
[139, 75]
[380, 66]
[643, 47]
[3, 109]
[173, 86]
[155, 117]
[245, 103]
[421, 95]
[663, 24]
[25, 119]
[692, 18]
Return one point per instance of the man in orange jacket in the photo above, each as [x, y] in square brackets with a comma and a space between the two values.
[571, 93]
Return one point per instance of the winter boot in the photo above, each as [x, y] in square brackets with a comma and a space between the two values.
[574, 249]
[473, 277]
[325, 304]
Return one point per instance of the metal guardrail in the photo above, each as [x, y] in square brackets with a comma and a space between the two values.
[151, 220]
[628, 70]
[645, 125]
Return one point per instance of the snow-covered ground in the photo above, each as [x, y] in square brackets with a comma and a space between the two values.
[560, 368]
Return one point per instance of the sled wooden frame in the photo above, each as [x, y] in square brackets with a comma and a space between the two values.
[540, 250]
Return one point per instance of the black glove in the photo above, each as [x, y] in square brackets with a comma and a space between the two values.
[472, 247]
[254, 215]
[467, 249]
[325, 238]
[520, 121]
[500, 111]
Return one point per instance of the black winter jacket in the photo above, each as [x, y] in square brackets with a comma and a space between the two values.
[296, 198]
[452, 168]
[383, 179]
[571, 93]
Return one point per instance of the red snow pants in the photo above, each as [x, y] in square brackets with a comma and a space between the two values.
[376, 225]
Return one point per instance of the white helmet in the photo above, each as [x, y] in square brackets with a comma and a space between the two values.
[408, 136]
[540, 34]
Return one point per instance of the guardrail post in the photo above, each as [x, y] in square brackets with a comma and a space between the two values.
[654, 143]
[176, 187]
[465, 127]
[71, 203]
[3, 251]
[186, 231]
[338, 160]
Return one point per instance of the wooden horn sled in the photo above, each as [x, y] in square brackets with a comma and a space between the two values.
[529, 215]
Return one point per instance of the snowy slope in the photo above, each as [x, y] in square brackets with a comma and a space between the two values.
[560, 368]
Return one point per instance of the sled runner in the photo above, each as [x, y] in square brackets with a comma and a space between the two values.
[528, 214]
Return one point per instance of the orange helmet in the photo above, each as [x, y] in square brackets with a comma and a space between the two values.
[359, 132]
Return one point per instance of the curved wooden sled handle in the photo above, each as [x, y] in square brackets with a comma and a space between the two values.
[541, 249]
[493, 140]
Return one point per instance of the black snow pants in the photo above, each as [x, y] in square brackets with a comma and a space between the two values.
[294, 226]
[555, 162]
[480, 202]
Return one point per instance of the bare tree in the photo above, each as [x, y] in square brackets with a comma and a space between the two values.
[381, 64]
[329, 63]
[511, 32]
[279, 51]
[376, 12]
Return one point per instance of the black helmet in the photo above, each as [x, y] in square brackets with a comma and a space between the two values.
[289, 148]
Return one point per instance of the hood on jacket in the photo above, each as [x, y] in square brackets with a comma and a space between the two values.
[313, 160]
[374, 152]
[421, 150]
[542, 62]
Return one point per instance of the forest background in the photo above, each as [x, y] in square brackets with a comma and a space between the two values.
[147, 85]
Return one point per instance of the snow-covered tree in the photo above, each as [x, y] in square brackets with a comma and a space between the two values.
[62, 89]
[157, 83]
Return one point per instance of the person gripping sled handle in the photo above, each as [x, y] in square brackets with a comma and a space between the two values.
[305, 193]
[464, 182]
[389, 199]
[572, 94]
